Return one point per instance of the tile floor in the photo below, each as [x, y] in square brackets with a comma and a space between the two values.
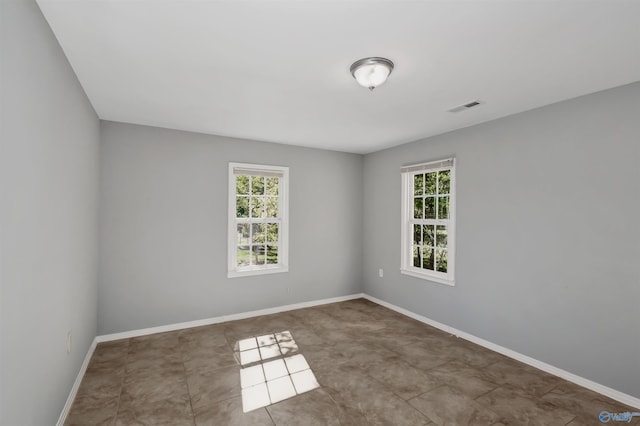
[373, 366]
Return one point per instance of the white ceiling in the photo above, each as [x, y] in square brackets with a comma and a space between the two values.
[278, 71]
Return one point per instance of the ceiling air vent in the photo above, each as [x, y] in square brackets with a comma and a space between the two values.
[464, 106]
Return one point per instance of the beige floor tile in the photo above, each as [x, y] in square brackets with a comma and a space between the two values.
[472, 382]
[403, 379]
[109, 356]
[101, 384]
[207, 387]
[154, 342]
[312, 408]
[449, 406]
[586, 404]
[154, 387]
[423, 356]
[518, 407]
[521, 376]
[155, 400]
[374, 367]
[91, 410]
[379, 405]
[229, 413]
[206, 359]
[202, 337]
[472, 354]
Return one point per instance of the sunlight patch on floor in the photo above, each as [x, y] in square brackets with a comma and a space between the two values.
[271, 370]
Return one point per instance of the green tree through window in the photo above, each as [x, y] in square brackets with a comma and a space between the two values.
[258, 218]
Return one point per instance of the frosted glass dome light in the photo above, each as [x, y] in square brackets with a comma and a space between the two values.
[371, 72]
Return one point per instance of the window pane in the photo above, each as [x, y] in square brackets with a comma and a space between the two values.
[427, 258]
[427, 236]
[243, 234]
[417, 234]
[242, 206]
[272, 255]
[272, 232]
[441, 236]
[257, 233]
[428, 193]
[418, 184]
[441, 259]
[272, 206]
[242, 185]
[417, 208]
[242, 256]
[444, 182]
[430, 183]
[430, 208]
[417, 260]
[257, 207]
[272, 186]
[257, 185]
[443, 207]
[259, 255]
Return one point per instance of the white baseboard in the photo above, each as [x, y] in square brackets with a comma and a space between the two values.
[596, 387]
[76, 384]
[183, 325]
[224, 318]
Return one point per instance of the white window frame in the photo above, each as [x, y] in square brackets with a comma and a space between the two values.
[233, 270]
[406, 266]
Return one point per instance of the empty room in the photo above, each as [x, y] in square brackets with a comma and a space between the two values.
[349, 212]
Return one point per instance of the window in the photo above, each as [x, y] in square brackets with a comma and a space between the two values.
[258, 225]
[428, 221]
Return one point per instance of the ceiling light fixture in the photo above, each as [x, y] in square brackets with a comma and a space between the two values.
[371, 72]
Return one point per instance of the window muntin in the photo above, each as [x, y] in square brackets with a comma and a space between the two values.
[257, 219]
[428, 223]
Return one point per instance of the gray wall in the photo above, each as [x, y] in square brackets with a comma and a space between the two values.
[548, 239]
[548, 234]
[163, 227]
[49, 174]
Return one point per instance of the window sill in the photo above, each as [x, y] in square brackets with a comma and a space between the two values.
[263, 271]
[427, 277]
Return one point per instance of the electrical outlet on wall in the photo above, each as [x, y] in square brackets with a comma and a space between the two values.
[69, 342]
[380, 272]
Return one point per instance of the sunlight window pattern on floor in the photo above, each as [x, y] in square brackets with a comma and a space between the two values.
[271, 370]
